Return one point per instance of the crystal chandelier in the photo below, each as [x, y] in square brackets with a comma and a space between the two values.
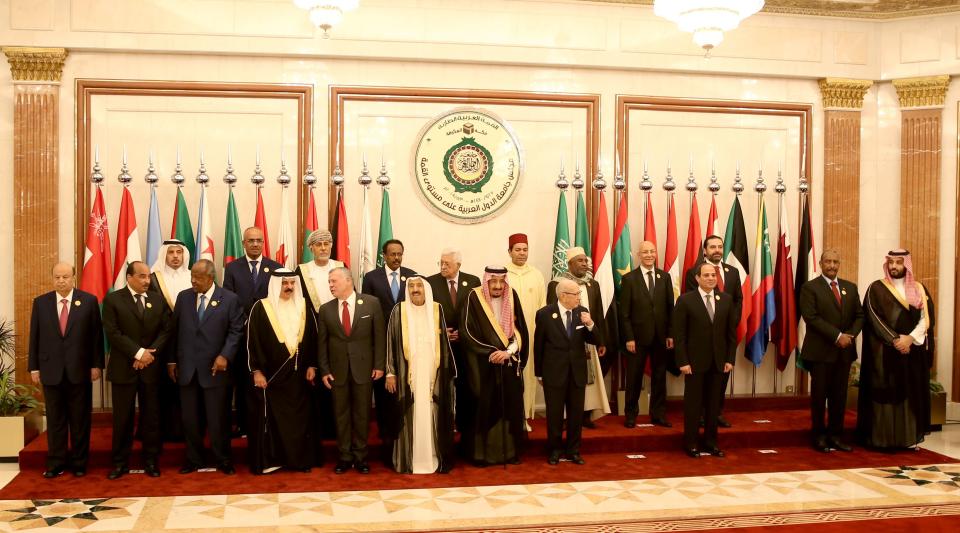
[325, 14]
[706, 19]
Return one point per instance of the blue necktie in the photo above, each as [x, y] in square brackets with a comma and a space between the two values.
[394, 287]
[569, 323]
[203, 307]
[253, 271]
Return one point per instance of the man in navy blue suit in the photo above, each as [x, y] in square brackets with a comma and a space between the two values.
[66, 356]
[248, 277]
[389, 284]
[209, 321]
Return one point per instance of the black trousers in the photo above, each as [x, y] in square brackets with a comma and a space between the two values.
[68, 415]
[125, 398]
[557, 397]
[702, 392]
[466, 403]
[828, 392]
[636, 363]
[213, 404]
[351, 407]
[240, 390]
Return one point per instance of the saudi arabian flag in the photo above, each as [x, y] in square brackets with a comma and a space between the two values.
[386, 226]
[561, 239]
[232, 238]
[622, 262]
[182, 228]
[581, 236]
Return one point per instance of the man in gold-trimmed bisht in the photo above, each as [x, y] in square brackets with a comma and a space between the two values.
[282, 353]
[494, 336]
[420, 372]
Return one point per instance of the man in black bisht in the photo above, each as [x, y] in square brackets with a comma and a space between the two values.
[893, 410]
[282, 354]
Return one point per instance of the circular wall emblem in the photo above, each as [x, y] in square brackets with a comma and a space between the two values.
[467, 165]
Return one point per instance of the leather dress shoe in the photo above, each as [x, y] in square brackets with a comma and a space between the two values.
[692, 452]
[722, 422]
[342, 467]
[716, 452]
[188, 468]
[79, 472]
[840, 445]
[820, 445]
[554, 457]
[151, 470]
[630, 422]
[576, 458]
[663, 422]
[226, 469]
[117, 472]
[587, 423]
[53, 472]
[363, 467]
[515, 460]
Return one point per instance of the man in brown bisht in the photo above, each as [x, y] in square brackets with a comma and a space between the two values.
[282, 359]
[494, 337]
[893, 410]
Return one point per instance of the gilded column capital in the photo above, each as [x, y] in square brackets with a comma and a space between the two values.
[843, 93]
[929, 91]
[35, 64]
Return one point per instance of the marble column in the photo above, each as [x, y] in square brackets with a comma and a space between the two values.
[842, 102]
[36, 225]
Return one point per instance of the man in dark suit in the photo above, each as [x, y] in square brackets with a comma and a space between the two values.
[560, 363]
[66, 356]
[450, 288]
[248, 277]
[831, 308]
[352, 354]
[137, 324]
[388, 284]
[646, 307]
[728, 281]
[209, 322]
[705, 333]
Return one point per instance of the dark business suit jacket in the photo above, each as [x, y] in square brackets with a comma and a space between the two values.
[700, 343]
[555, 354]
[594, 305]
[441, 295]
[200, 342]
[644, 317]
[71, 356]
[127, 333]
[359, 354]
[732, 284]
[826, 320]
[237, 279]
[376, 283]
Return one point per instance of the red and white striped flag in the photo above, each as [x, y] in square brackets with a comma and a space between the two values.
[285, 251]
[128, 241]
[713, 220]
[694, 250]
[602, 269]
[260, 221]
[671, 253]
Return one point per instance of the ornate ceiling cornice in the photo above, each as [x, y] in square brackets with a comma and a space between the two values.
[883, 9]
[35, 64]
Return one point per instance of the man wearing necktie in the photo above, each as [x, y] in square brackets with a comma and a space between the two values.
[831, 309]
[66, 356]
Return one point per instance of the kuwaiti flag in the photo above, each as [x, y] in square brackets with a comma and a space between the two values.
[764, 309]
[670, 253]
[694, 250]
[285, 254]
[96, 277]
[260, 221]
[736, 254]
[367, 260]
[783, 333]
[153, 228]
[806, 268]
[602, 264]
[205, 248]
[128, 241]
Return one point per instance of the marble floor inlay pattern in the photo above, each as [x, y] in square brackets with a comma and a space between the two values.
[684, 503]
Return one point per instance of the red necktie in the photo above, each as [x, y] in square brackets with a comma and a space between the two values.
[453, 292]
[836, 293]
[63, 316]
[719, 279]
[345, 318]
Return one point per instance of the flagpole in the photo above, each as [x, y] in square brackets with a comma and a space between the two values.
[760, 187]
[620, 188]
[737, 188]
[780, 189]
[365, 235]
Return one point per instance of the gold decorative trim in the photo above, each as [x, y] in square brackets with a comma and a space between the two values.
[843, 93]
[886, 10]
[929, 91]
[35, 64]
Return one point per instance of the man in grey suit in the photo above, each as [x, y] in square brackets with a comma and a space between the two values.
[352, 354]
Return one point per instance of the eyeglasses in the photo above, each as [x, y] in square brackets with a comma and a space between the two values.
[570, 293]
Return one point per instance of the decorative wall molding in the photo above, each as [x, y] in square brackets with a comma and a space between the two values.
[928, 91]
[35, 64]
[843, 93]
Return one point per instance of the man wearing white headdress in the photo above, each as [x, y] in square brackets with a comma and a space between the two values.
[281, 357]
[420, 371]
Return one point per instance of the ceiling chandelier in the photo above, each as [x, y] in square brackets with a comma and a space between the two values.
[325, 14]
[706, 19]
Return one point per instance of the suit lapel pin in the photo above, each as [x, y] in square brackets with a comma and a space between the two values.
[359, 302]
[403, 278]
[658, 276]
[266, 269]
[213, 303]
[464, 283]
[149, 305]
[76, 303]
[844, 292]
[717, 296]
[725, 269]
[555, 315]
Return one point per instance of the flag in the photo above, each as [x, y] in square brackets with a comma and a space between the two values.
[581, 232]
[649, 226]
[128, 241]
[713, 221]
[153, 228]
[806, 269]
[182, 228]
[602, 265]
[285, 252]
[309, 226]
[561, 239]
[735, 254]
[204, 247]
[622, 262]
[260, 221]
[386, 226]
[694, 251]
[96, 277]
[670, 253]
[763, 310]
[232, 237]
[341, 234]
[367, 261]
[783, 333]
